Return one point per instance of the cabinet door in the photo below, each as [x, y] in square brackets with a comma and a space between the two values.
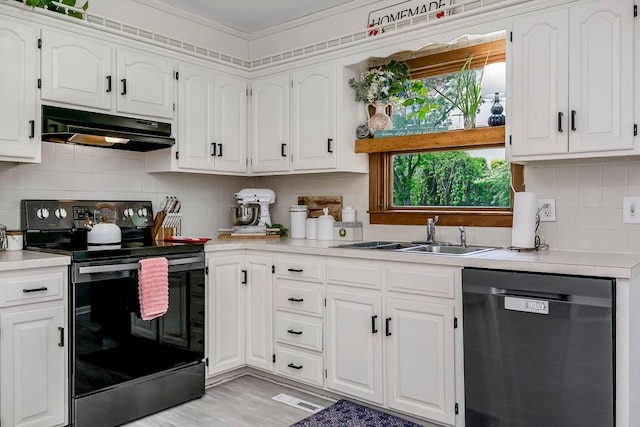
[419, 347]
[539, 84]
[270, 124]
[354, 344]
[230, 124]
[19, 120]
[145, 84]
[259, 300]
[76, 70]
[226, 313]
[33, 368]
[601, 72]
[313, 112]
[195, 118]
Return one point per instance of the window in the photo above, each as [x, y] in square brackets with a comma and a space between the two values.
[461, 176]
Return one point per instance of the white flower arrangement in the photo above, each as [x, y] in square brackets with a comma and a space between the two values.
[374, 85]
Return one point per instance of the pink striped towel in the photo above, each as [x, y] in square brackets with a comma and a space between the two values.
[153, 287]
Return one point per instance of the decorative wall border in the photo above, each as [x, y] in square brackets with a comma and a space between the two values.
[458, 10]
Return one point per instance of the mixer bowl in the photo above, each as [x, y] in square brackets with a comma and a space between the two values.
[245, 215]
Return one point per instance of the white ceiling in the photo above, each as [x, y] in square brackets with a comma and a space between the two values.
[250, 16]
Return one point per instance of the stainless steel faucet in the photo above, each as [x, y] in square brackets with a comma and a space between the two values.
[463, 236]
[431, 229]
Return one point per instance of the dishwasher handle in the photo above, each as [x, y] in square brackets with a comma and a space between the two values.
[548, 296]
[492, 290]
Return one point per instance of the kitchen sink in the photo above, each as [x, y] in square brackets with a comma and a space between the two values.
[389, 246]
[445, 250]
[436, 248]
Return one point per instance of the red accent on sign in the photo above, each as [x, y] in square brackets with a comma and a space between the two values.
[440, 14]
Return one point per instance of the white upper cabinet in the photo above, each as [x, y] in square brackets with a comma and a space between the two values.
[19, 118]
[313, 117]
[568, 72]
[231, 124]
[145, 84]
[211, 121]
[85, 72]
[600, 76]
[195, 118]
[294, 123]
[76, 70]
[270, 124]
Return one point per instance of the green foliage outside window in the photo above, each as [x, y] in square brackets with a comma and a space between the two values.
[450, 179]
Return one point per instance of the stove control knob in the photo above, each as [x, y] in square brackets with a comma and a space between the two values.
[42, 213]
[128, 212]
[142, 212]
[60, 213]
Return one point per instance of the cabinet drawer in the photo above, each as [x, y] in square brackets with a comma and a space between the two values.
[299, 298]
[301, 331]
[308, 269]
[305, 367]
[422, 279]
[363, 274]
[32, 286]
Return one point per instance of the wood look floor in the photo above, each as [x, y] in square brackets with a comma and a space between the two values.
[245, 401]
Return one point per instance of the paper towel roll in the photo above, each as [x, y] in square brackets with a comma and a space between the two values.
[523, 233]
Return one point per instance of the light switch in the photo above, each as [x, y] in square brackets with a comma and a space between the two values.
[631, 210]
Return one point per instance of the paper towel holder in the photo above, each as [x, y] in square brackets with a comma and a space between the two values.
[537, 240]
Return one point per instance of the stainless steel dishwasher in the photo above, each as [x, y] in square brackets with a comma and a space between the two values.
[538, 349]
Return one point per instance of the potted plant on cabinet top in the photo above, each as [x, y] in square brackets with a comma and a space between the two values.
[53, 5]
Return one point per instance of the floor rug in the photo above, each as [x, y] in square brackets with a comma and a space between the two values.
[345, 413]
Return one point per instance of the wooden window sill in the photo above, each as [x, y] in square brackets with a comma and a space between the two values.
[475, 218]
[433, 141]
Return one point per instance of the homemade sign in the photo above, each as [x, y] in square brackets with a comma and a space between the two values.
[404, 10]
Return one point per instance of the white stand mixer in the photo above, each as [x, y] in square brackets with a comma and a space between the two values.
[262, 196]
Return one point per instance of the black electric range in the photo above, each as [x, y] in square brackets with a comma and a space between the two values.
[115, 357]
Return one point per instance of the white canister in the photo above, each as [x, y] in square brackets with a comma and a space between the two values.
[325, 226]
[348, 214]
[14, 240]
[312, 228]
[298, 220]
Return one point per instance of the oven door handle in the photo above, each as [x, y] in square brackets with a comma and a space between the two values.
[132, 266]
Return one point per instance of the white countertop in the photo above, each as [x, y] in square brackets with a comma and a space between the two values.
[19, 260]
[551, 261]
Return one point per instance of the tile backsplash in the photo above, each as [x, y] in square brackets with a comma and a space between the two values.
[588, 195]
[77, 172]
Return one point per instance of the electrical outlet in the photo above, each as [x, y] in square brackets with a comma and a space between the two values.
[631, 210]
[548, 214]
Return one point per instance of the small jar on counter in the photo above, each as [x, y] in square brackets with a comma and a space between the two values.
[15, 240]
[298, 221]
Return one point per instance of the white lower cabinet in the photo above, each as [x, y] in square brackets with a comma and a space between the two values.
[393, 346]
[33, 349]
[420, 358]
[239, 307]
[354, 344]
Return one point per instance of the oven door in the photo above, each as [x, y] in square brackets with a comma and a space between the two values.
[111, 344]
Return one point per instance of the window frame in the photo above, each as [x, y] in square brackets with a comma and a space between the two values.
[381, 209]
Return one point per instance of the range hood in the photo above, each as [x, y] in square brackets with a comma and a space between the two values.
[69, 126]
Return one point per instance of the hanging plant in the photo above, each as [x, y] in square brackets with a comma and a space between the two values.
[53, 5]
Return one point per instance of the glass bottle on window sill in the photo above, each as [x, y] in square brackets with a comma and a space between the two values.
[469, 122]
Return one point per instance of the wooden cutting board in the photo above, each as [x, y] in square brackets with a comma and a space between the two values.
[316, 203]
